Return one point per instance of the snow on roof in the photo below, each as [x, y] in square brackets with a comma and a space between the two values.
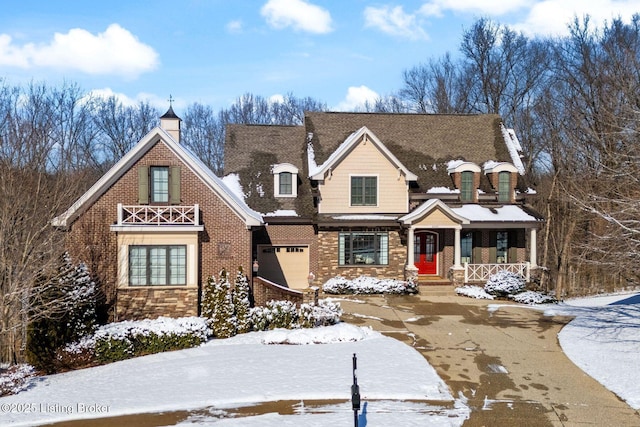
[311, 159]
[514, 147]
[282, 212]
[365, 217]
[441, 190]
[509, 213]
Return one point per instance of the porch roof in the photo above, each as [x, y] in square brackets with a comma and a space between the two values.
[504, 214]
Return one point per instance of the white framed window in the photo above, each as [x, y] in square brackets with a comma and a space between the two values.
[364, 191]
[363, 247]
[157, 265]
[285, 180]
[504, 186]
[159, 184]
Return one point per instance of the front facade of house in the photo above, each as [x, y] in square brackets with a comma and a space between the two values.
[439, 198]
[156, 226]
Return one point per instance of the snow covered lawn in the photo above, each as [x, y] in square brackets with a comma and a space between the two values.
[244, 370]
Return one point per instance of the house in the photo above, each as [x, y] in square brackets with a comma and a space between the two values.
[156, 225]
[437, 198]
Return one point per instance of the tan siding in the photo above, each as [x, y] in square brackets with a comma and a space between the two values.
[364, 160]
[436, 218]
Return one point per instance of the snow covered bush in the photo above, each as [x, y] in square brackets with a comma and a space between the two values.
[532, 297]
[504, 283]
[15, 378]
[325, 313]
[473, 291]
[275, 314]
[63, 312]
[340, 285]
[123, 340]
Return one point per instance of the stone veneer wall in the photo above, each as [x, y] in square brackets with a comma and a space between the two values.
[328, 259]
[147, 303]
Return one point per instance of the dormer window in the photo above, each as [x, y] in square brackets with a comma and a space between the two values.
[465, 178]
[504, 187]
[502, 176]
[466, 186]
[285, 180]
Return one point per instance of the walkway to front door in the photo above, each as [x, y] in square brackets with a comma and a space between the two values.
[426, 252]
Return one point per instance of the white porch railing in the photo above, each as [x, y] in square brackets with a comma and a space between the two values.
[481, 272]
[158, 215]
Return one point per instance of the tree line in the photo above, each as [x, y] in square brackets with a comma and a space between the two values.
[574, 102]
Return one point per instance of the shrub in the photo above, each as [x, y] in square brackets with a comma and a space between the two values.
[340, 285]
[275, 314]
[123, 340]
[326, 313]
[532, 297]
[15, 378]
[217, 306]
[472, 291]
[504, 283]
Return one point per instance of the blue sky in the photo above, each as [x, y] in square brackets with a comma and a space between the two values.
[341, 52]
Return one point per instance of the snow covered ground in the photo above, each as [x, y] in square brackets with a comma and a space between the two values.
[315, 364]
[394, 379]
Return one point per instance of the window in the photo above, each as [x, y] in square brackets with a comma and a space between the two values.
[285, 180]
[502, 247]
[286, 187]
[504, 186]
[369, 248]
[157, 265]
[159, 184]
[466, 186]
[466, 247]
[364, 191]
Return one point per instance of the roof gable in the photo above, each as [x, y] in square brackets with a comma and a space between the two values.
[156, 135]
[318, 172]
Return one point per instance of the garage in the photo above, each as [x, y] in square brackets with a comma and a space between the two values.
[285, 265]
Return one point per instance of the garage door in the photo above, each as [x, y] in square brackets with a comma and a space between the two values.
[284, 265]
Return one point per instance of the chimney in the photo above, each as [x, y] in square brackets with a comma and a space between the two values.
[171, 123]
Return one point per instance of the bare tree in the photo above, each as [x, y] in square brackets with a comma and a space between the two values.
[203, 133]
[36, 182]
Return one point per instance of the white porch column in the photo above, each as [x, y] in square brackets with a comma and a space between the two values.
[533, 245]
[410, 244]
[456, 249]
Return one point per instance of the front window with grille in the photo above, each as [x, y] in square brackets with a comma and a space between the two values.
[370, 248]
[286, 183]
[466, 247]
[157, 265]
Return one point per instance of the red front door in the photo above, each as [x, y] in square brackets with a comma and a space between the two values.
[425, 252]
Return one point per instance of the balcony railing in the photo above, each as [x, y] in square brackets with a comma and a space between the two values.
[158, 215]
[481, 272]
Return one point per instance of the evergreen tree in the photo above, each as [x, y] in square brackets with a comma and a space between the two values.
[217, 305]
[241, 302]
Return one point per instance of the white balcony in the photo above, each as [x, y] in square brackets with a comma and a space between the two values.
[143, 217]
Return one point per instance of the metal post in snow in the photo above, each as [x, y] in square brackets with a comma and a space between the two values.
[355, 392]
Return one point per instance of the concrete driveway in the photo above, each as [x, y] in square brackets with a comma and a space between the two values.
[507, 365]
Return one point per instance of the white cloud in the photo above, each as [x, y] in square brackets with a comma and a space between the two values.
[394, 21]
[234, 26]
[356, 98]
[115, 51]
[551, 17]
[479, 7]
[298, 14]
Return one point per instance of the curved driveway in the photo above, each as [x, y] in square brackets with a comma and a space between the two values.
[507, 365]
